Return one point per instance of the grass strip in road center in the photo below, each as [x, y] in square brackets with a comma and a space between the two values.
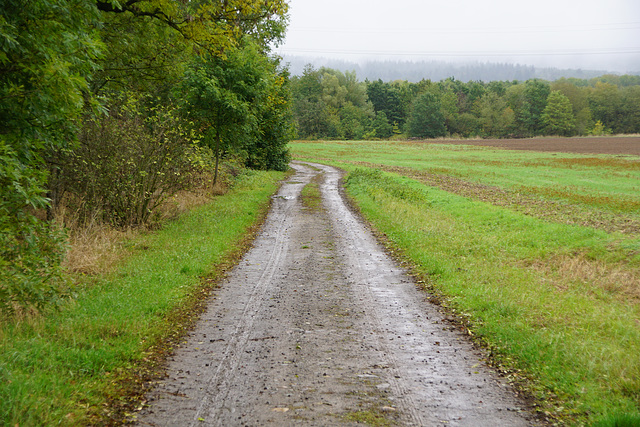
[572, 340]
[83, 364]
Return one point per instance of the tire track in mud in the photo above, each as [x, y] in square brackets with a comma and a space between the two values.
[316, 326]
[218, 384]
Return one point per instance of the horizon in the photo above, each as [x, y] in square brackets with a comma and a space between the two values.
[565, 34]
[436, 69]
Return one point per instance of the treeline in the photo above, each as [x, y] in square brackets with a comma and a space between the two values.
[335, 105]
[414, 71]
[109, 107]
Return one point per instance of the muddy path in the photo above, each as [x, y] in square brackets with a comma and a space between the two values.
[316, 326]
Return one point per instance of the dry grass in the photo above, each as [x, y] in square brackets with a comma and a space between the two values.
[617, 280]
[96, 247]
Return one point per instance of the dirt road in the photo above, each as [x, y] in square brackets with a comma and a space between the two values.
[318, 327]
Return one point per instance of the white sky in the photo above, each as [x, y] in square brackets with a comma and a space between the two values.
[565, 33]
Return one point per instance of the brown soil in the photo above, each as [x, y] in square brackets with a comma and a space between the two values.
[622, 145]
[316, 326]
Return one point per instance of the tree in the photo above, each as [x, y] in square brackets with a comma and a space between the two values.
[557, 117]
[48, 51]
[381, 125]
[212, 26]
[577, 95]
[426, 119]
[630, 110]
[236, 100]
[268, 148]
[57, 58]
[605, 102]
[536, 92]
[496, 117]
[385, 97]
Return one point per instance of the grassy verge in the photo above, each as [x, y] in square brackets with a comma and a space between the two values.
[557, 305]
[87, 363]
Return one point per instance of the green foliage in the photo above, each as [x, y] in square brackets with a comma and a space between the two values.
[381, 125]
[48, 50]
[496, 117]
[557, 116]
[605, 103]
[128, 162]
[533, 102]
[30, 249]
[240, 104]
[268, 149]
[387, 98]
[598, 129]
[211, 26]
[494, 109]
[331, 104]
[426, 119]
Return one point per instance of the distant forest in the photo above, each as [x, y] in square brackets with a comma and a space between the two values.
[331, 104]
[439, 70]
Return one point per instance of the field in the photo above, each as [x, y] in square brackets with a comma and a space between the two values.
[534, 249]
[591, 145]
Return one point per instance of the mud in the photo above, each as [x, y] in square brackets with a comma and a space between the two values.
[317, 326]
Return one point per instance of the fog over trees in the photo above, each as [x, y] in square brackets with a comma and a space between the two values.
[414, 71]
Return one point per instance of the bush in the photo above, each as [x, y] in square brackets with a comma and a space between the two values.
[129, 162]
[30, 249]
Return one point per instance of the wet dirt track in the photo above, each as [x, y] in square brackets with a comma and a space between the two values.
[318, 327]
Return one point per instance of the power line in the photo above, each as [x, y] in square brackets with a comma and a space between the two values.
[625, 26]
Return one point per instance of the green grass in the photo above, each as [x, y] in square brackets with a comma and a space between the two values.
[606, 181]
[77, 366]
[556, 305]
[310, 194]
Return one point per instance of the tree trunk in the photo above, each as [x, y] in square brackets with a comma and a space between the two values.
[217, 150]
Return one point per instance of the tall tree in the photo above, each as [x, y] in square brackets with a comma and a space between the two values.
[536, 92]
[386, 98]
[557, 117]
[605, 101]
[237, 100]
[426, 119]
[495, 115]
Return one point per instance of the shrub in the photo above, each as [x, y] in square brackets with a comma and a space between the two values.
[30, 249]
[128, 162]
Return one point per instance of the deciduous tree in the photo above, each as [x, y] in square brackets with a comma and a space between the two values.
[557, 117]
[426, 119]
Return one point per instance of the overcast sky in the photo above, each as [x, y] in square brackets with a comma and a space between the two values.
[596, 34]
